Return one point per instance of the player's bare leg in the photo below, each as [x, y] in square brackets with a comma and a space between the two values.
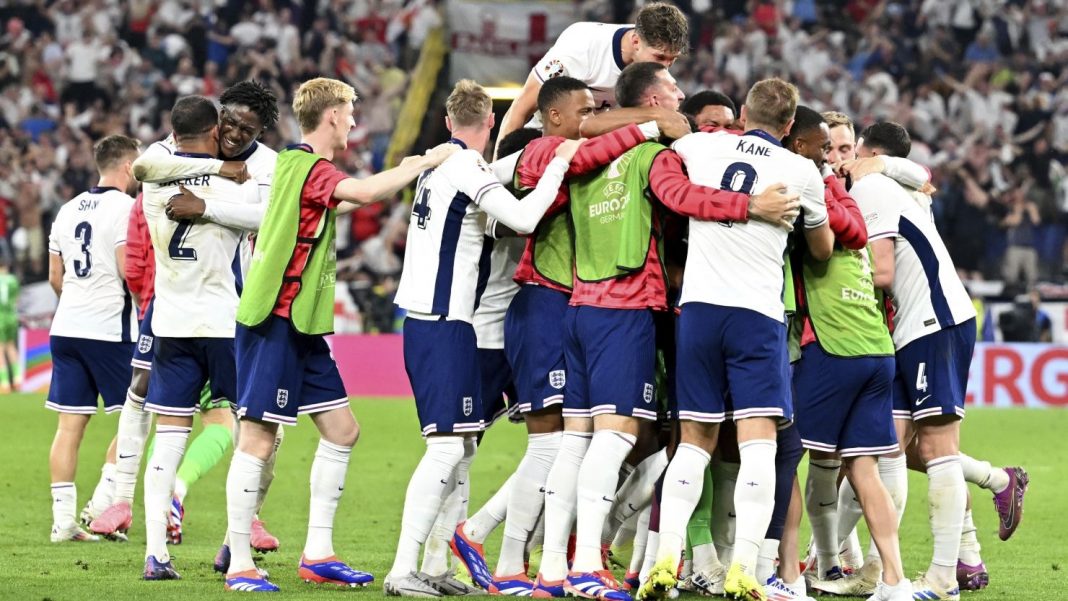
[880, 514]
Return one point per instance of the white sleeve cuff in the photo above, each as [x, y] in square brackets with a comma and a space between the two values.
[650, 129]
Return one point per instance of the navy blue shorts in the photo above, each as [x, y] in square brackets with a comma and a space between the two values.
[611, 362]
[142, 355]
[282, 373]
[534, 341]
[732, 363]
[84, 369]
[932, 373]
[182, 366]
[496, 384]
[844, 404]
[441, 358]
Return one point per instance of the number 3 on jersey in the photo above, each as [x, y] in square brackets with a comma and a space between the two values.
[83, 232]
[177, 248]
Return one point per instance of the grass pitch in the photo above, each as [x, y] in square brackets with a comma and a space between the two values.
[1030, 566]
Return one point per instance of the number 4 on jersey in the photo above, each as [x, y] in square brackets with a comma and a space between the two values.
[921, 378]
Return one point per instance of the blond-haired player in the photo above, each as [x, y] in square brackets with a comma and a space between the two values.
[286, 368]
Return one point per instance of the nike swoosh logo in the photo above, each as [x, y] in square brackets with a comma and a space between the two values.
[121, 456]
[607, 499]
[446, 482]
[632, 507]
[921, 401]
[828, 504]
[731, 514]
[247, 490]
[341, 488]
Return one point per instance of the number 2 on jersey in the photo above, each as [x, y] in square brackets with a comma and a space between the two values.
[83, 232]
[177, 249]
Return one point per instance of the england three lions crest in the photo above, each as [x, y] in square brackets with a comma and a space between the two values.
[469, 405]
[557, 379]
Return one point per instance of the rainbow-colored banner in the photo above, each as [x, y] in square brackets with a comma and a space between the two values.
[36, 359]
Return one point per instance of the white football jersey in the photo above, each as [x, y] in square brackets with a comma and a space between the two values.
[196, 295]
[592, 54]
[95, 303]
[499, 292]
[741, 264]
[928, 294]
[446, 259]
[259, 160]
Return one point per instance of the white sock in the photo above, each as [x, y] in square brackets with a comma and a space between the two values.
[754, 501]
[724, 478]
[893, 471]
[159, 484]
[596, 492]
[946, 499]
[526, 500]
[641, 539]
[652, 546]
[134, 423]
[64, 499]
[769, 554]
[436, 548]
[423, 499]
[821, 503]
[328, 471]
[849, 514]
[626, 531]
[560, 503]
[983, 475]
[242, 486]
[486, 520]
[104, 493]
[636, 492]
[682, 489]
[267, 474]
[969, 543]
[705, 559]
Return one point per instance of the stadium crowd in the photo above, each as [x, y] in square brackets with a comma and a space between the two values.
[980, 84]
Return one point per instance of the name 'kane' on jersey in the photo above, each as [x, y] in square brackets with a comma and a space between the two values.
[741, 264]
[196, 294]
[95, 303]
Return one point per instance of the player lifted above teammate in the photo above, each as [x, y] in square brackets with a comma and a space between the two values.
[596, 53]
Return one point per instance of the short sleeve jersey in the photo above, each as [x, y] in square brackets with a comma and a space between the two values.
[95, 303]
[736, 264]
[591, 53]
[928, 294]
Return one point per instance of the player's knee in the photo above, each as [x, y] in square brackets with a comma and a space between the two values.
[139, 382]
[348, 436]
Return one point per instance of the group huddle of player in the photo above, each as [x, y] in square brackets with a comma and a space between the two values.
[677, 300]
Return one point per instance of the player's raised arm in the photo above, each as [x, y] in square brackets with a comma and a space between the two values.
[521, 109]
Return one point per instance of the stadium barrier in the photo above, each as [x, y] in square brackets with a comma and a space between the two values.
[1002, 375]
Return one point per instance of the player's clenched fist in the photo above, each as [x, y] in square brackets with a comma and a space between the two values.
[567, 149]
[775, 205]
[235, 170]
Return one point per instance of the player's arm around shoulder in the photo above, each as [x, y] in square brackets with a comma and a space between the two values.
[158, 164]
[493, 198]
[354, 193]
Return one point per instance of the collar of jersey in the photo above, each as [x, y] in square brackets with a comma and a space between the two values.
[458, 142]
[763, 135]
[102, 189]
[300, 146]
[194, 155]
[248, 152]
[617, 46]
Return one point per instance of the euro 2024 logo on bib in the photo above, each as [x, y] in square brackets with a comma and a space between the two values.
[283, 398]
[469, 405]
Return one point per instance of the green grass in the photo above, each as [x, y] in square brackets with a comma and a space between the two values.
[1030, 566]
